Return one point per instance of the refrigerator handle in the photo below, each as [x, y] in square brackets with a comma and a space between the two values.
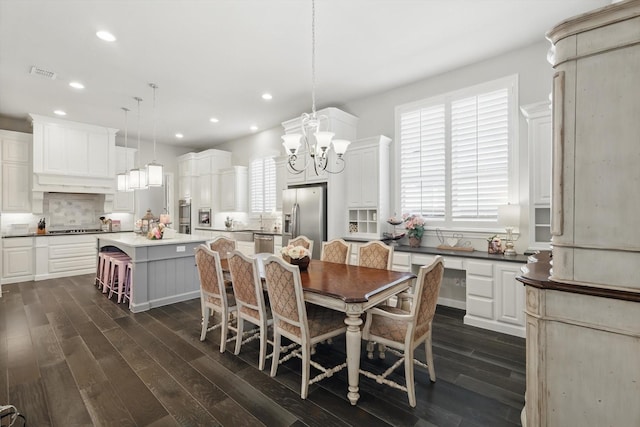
[295, 226]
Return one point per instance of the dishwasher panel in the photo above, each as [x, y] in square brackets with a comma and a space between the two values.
[263, 243]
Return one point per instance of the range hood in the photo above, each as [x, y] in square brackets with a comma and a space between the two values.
[71, 157]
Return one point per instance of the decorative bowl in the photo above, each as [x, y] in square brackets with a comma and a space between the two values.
[302, 263]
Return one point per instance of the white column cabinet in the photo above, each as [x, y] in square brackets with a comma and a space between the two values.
[368, 186]
[16, 171]
[186, 174]
[124, 201]
[281, 179]
[233, 189]
[539, 137]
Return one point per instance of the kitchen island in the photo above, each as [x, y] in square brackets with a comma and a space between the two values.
[164, 271]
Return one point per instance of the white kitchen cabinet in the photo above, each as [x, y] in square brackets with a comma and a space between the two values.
[124, 201]
[204, 191]
[208, 164]
[539, 137]
[495, 300]
[67, 153]
[368, 186]
[186, 175]
[65, 256]
[17, 259]
[233, 189]
[277, 244]
[16, 171]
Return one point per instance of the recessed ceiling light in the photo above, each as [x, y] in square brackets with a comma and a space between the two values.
[267, 96]
[60, 113]
[106, 36]
[76, 85]
[179, 135]
[253, 128]
[214, 120]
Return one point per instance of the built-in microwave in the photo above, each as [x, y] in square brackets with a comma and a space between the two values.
[204, 217]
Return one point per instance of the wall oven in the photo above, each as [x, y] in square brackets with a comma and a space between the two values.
[184, 217]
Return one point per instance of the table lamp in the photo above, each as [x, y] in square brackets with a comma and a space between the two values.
[509, 217]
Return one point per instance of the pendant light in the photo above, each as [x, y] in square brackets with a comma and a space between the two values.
[137, 176]
[155, 171]
[123, 177]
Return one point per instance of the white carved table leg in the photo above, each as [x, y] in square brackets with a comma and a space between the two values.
[353, 338]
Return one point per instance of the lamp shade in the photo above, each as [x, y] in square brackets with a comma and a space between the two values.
[137, 179]
[509, 215]
[340, 146]
[323, 140]
[291, 142]
[155, 174]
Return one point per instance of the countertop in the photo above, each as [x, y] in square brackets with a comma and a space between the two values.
[483, 255]
[266, 232]
[9, 236]
[136, 240]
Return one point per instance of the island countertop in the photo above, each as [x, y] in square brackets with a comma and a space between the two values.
[137, 240]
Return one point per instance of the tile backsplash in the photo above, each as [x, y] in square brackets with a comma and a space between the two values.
[65, 210]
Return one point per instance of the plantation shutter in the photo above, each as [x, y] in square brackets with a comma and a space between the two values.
[479, 155]
[256, 188]
[422, 162]
[263, 185]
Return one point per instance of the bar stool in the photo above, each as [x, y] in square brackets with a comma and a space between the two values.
[102, 262]
[128, 281]
[116, 265]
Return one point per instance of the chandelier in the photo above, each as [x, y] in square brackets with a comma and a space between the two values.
[317, 142]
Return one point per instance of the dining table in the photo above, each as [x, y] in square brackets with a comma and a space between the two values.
[352, 290]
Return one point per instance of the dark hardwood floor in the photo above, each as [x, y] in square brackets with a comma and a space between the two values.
[71, 357]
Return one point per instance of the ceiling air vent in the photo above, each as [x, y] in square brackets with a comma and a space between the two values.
[36, 71]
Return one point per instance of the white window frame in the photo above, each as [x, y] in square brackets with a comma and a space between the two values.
[270, 205]
[509, 82]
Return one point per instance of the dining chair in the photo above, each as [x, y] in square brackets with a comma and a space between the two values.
[223, 245]
[303, 241]
[375, 254]
[304, 324]
[214, 296]
[336, 250]
[247, 288]
[403, 331]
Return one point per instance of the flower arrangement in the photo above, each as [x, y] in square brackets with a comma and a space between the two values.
[414, 225]
[495, 245]
[156, 232]
[294, 252]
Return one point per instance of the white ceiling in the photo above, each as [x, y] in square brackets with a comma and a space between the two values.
[215, 58]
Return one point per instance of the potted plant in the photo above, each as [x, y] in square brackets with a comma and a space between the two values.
[415, 228]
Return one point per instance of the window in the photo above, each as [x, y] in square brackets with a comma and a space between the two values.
[456, 153]
[263, 185]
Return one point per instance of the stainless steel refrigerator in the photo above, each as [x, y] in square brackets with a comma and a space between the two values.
[304, 211]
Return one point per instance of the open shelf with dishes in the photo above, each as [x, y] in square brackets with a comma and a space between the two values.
[363, 222]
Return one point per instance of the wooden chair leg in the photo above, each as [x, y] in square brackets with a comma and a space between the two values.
[205, 322]
[370, 347]
[408, 374]
[239, 335]
[429, 352]
[224, 329]
[306, 367]
[275, 360]
[263, 345]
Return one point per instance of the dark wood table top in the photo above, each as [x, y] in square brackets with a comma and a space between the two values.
[349, 283]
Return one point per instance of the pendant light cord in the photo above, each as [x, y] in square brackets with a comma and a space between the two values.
[155, 119]
[137, 98]
[313, 58]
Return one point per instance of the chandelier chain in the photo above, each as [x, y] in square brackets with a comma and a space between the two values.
[126, 126]
[313, 58]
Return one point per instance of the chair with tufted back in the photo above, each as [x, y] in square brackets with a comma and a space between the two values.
[336, 250]
[375, 255]
[403, 331]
